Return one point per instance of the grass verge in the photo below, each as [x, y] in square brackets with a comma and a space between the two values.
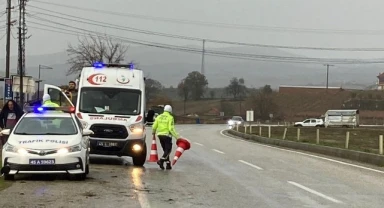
[360, 139]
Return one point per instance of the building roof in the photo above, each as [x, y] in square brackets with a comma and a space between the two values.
[309, 87]
[381, 75]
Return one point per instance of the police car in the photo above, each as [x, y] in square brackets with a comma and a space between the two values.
[46, 140]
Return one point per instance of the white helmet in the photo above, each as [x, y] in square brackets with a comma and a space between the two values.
[168, 108]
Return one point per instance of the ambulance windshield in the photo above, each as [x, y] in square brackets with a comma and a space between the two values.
[115, 101]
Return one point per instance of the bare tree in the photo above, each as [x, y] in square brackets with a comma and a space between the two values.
[94, 48]
[152, 88]
[183, 90]
[262, 101]
[236, 88]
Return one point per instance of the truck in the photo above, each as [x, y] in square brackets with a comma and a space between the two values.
[342, 118]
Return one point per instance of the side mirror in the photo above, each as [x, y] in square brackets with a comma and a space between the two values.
[6, 131]
[87, 132]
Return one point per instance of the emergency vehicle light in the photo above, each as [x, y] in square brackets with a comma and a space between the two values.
[42, 109]
[100, 65]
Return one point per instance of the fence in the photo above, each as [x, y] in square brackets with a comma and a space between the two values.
[360, 139]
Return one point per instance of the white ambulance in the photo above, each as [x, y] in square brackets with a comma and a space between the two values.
[111, 103]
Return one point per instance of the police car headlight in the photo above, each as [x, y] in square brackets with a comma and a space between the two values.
[136, 128]
[75, 148]
[85, 124]
[10, 148]
[230, 122]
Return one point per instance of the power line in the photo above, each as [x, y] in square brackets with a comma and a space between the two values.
[216, 24]
[211, 52]
[130, 29]
[154, 44]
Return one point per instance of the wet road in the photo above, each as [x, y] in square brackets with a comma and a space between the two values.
[218, 171]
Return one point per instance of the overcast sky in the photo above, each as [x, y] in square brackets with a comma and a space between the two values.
[261, 16]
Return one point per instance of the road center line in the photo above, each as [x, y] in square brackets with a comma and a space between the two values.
[250, 164]
[199, 144]
[314, 192]
[218, 151]
[302, 153]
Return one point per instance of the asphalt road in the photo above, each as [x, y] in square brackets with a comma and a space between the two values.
[218, 171]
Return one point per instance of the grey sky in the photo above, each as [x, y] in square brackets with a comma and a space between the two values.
[320, 14]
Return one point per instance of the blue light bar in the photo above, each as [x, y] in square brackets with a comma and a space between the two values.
[131, 66]
[43, 109]
[98, 65]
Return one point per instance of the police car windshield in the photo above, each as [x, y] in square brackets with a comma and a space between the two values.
[46, 126]
[109, 101]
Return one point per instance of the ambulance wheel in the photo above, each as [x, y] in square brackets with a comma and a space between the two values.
[8, 177]
[139, 160]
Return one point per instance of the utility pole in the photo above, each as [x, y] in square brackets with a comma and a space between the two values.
[20, 68]
[202, 60]
[328, 65]
[8, 47]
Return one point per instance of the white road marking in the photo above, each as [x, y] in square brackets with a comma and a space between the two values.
[199, 144]
[250, 164]
[314, 192]
[306, 154]
[141, 195]
[218, 151]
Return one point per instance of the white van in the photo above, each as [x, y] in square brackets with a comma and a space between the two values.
[111, 103]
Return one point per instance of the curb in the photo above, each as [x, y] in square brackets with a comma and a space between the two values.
[364, 157]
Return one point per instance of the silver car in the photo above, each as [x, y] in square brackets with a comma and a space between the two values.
[236, 120]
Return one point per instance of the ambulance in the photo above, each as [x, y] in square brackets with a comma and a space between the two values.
[111, 103]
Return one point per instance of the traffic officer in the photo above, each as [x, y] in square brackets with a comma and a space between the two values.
[47, 101]
[164, 126]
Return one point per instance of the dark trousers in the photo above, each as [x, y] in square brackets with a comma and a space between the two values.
[166, 144]
[3, 139]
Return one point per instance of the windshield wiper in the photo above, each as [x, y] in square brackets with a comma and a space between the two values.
[85, 111]
[55, 134]
[22, 133]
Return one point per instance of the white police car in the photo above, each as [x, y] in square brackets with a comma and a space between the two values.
[46, 140]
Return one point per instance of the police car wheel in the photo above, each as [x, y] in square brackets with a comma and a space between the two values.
[80, 177]
[140, 159]
[8, 177]
[87, 169]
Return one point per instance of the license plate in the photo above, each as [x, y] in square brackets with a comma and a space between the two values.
[107, 144]
[42, 161]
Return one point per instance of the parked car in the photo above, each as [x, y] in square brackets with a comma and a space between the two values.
[311, 122]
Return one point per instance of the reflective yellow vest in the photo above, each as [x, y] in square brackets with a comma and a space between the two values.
[165, 125]
[49, 103]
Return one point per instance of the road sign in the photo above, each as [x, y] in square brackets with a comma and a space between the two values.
[8, 93]
[250, 115]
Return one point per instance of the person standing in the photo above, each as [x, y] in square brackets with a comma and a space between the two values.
[9, 116]
[164, 126]
[73, 91]
[47, 101]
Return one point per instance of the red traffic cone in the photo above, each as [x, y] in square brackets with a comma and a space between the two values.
[153, 156]
[182, 145]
